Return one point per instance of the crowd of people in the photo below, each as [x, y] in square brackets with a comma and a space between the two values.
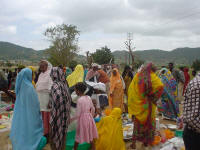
[43, 104]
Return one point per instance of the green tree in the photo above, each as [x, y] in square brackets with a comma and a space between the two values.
[21, 66]
[196, 65]
[64, 43]
[8, 64]
[103, 56]
[73, 64]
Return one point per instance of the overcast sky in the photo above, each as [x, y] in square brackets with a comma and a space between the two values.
[155, 24]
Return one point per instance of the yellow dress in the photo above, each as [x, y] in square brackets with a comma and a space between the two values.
[136, 100]
[110, 132]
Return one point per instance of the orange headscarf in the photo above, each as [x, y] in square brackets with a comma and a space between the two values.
[114, 80]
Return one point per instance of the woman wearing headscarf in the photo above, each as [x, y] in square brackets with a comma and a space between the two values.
[27, 129]
[128, 77]
[187, 79]
[110, 132]
[116, 93]
[144, 91]
[60, 109]
[170, 104]
[43, 87]
[76, 76]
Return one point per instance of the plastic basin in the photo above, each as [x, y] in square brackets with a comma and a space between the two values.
[179, 133]
[70, 139]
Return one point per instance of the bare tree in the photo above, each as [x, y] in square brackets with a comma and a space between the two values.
[130, 47]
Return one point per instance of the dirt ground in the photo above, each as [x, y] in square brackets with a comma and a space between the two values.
[5, 143]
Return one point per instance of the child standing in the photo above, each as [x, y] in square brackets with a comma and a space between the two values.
[86, 130]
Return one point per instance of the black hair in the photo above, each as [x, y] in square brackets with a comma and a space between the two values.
[171, 63]
[181, 68]
[194, 72]
[60, 66]
[125, 72]
[81, 87]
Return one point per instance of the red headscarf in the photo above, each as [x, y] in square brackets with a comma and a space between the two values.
[187, 79]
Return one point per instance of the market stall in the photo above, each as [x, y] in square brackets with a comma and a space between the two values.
[168, 136]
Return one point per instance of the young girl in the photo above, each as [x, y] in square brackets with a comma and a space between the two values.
[86, 130]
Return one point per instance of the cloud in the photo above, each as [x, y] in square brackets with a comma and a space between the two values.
[154, 23]
[11, 29]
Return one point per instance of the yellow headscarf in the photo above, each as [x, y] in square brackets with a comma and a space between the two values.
[76, 76]
[33, 72]
[110, 132]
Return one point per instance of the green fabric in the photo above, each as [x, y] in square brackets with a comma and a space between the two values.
[42, 143]
[68, 72]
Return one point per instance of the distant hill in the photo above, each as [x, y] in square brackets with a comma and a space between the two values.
[179, 56]
[11, 51]
[186, 55]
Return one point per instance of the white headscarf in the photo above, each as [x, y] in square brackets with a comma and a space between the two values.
[95, 65]
[44, 81]
[140, 69]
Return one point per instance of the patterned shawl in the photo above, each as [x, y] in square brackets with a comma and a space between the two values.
[139, 96]
[145, 89]
[170, 91]
[60, 107]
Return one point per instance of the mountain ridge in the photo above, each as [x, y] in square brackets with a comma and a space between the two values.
[185, 55]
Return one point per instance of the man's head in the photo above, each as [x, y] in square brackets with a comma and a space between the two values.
[94, 67]
[127, 68]
[194, 73]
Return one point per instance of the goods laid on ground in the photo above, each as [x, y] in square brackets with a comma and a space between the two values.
[168, 136]
[5, 121]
